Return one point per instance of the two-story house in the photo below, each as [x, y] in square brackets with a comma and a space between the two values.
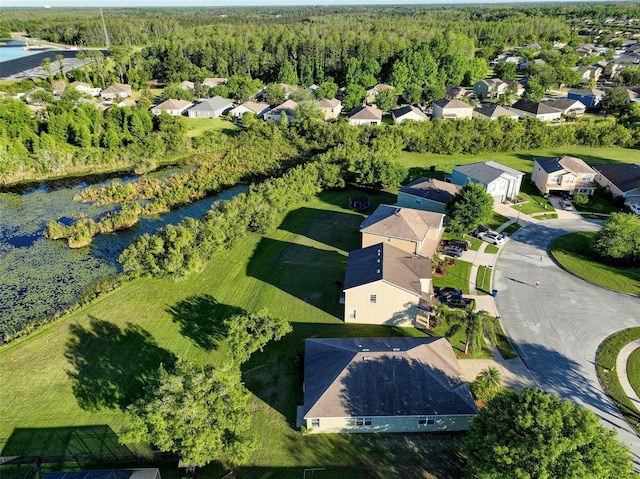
[490, 88]
[452, 109]
[562, 175]
[501, 182]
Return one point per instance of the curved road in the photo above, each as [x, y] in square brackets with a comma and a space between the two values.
[557, 327]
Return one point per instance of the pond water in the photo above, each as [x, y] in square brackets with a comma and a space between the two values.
[12, 49]
[39, 276]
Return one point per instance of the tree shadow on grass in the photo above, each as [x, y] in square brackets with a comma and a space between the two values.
[201, 319]
[110, 366]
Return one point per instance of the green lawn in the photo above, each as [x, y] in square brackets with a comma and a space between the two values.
[456, 277]
[633, 370]
[535, 202]
[457, 337]
[503, 345]
[197, 126]
[512, 228]
[572, 252]
[598, 204]
[483, 279]
[605, 365]
[71, 379]
[495, 220]
[491, 249]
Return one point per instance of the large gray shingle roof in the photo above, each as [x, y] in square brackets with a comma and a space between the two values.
[625, 177]
[487, 171]
[401, 376]
[432, 189]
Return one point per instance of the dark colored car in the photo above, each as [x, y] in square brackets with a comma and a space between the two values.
[478, 230]
[462, 244]
[447, 291]
[457, 302]
[452, 251]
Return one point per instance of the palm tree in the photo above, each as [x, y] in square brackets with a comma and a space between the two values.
[46, 65]
[59, 58]
[487, 384]
[477, 325]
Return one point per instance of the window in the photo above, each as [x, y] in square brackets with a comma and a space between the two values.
[586, 177]
[426, 420]
[315, 422]
[352, 314]
[568, 179]
[363, 421]
[373, 299]
[555, 179]
[418, 201]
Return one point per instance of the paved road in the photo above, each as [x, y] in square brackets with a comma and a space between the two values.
[557, 327]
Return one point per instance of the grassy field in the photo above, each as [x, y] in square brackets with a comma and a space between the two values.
[197, 126]
[483, 279]
[598, 204]
[495, 220]
[491, 249]
[633, 370]
[503, 344]
[456, 277]
[572, 252]
[512, 228]
[70, 380]
[606, 362]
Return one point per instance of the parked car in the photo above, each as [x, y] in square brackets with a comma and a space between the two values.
[493, 238]
[457, 302]
[447, 291]
[566, 205]
[480, 229]
[635, 208]
[462, 244]
[452, 251]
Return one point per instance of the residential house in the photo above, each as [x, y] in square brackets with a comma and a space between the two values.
[372, 92]
[415, 231]
[562, 175]
[365, 115]
[633, 93]
[187, 85]
[493, 113]
[287, 108]
[567, 106]
[500, 181]
[627, 60]
[408, 113]
[521, 63]
[452, 109]
[455, 92]
[127, 102]
[171, 107]
[515, 87]
[86, 88]
[589, 97]
[390, 385]
[330, 108]
[540, 111]
[589, 73]
[213, 82]
[385, 285]
[116, 91]
[257, 108]
[427, 194]
[490, 88]
[134, 473]
[210, 108]
[621, 179]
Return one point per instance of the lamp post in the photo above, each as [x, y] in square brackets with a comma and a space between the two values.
[519, 210]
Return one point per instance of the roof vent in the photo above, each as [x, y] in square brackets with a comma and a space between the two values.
[378, 252]
[367, 358]
[396, 349]
[378, 260]
[365, 350]
[397, 358]
[378, 271]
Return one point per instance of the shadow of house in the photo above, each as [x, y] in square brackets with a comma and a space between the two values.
[332, 228]
[201, 319]
[308, 273]
[110, 366]
[60, 444]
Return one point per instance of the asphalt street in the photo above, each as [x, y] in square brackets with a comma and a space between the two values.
[556, 327]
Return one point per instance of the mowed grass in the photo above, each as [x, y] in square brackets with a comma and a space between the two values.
[572, 252]
[633, 370]
[197, 126]
[456, 277]
[83, 369]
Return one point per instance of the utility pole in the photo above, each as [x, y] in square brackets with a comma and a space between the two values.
[104, 28]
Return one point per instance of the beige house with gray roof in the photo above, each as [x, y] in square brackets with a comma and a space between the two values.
[330, 108]
[384, 385]
[452, 109]
[414, 231]
[563, 174]
[387, 286]
[365, 115]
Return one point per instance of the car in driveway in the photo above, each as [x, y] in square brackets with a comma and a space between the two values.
[493, 238]
[480, 229]
[635, 208]
[452, 251]
[457, 301]
[462, 244]
[566, 205]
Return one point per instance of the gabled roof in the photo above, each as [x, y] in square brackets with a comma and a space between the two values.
[404, 223]
[366, 112]
[117, 88]
[211, 82]
[287, 107]
[533, 107]
[431, 189]
[212, 104]
[551, 164]
[381, 86]
[401, 376]
[325, 103]
[187, 85]
[565, 103]
[172, 104]
[256, 107]
[626, 177]
[594, 92]
[494, 111]
[405, 110]
[451, 103]
[487, 171]
[387, 263]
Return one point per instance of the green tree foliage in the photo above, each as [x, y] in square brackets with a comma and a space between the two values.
[533, 90]
[386, 99]
[535, 434]
[412, 94]
[327, 90]
[619, 239]
[469, 208]
[629, 76]
[506, 70]
[274, 94]
[487, 384]
[176, 92]
[615, 100]
[287, 74]
[354, 96]
[580, 199]
[476, 324]
[199, 412]
[250, 332]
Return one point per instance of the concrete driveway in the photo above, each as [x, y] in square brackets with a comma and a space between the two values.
[556, 328]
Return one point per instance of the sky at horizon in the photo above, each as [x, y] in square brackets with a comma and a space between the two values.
[248, 3]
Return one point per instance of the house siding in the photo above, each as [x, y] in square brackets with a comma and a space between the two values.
[393, 306]
[389, 424]
[412, 247]
[406, 200]
[458, 113]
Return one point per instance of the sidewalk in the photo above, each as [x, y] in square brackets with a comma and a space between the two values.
[621, 369]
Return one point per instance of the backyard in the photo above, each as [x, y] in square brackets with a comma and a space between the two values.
[89, 365]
